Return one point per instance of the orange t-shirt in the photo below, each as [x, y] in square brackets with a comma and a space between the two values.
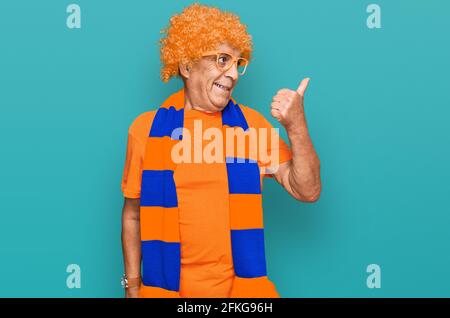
[202, 191]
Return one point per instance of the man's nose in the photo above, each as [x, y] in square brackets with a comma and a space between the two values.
[232, 72]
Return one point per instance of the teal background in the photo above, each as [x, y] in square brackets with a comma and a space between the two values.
[377, 108]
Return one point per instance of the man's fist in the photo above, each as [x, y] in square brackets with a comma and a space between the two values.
[287, 105]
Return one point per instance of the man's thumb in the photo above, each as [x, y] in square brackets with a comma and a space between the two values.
[303, 85]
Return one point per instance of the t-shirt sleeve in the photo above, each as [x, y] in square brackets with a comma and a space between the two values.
[131, 177]
[137, 139]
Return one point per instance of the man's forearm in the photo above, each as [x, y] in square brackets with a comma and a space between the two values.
[131, 245]
[304, 173]
[301, 178]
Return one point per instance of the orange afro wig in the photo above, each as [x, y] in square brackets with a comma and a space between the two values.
[198, 29]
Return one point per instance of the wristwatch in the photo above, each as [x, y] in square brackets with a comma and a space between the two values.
[130, 282]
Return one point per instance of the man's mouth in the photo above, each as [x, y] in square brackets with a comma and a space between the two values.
[223, 87]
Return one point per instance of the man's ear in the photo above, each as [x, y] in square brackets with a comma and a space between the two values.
[184, 70]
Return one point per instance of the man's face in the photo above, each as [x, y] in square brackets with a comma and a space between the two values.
[209, 87]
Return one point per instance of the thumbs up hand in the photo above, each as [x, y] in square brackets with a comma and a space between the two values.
[287, 105]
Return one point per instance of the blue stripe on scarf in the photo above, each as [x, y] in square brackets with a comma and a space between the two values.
[248, 253]
[243, 176]
[158, 189]
[166, 121]
[161, 264]
[232, 116]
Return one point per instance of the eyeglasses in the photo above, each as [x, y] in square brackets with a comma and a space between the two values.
[224, 61]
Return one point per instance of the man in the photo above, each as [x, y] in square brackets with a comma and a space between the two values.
[196, 223]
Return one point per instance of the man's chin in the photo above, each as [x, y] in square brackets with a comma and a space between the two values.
[220, 105]
[223, 106]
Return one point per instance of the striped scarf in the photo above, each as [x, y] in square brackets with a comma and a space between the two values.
[160, 235]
